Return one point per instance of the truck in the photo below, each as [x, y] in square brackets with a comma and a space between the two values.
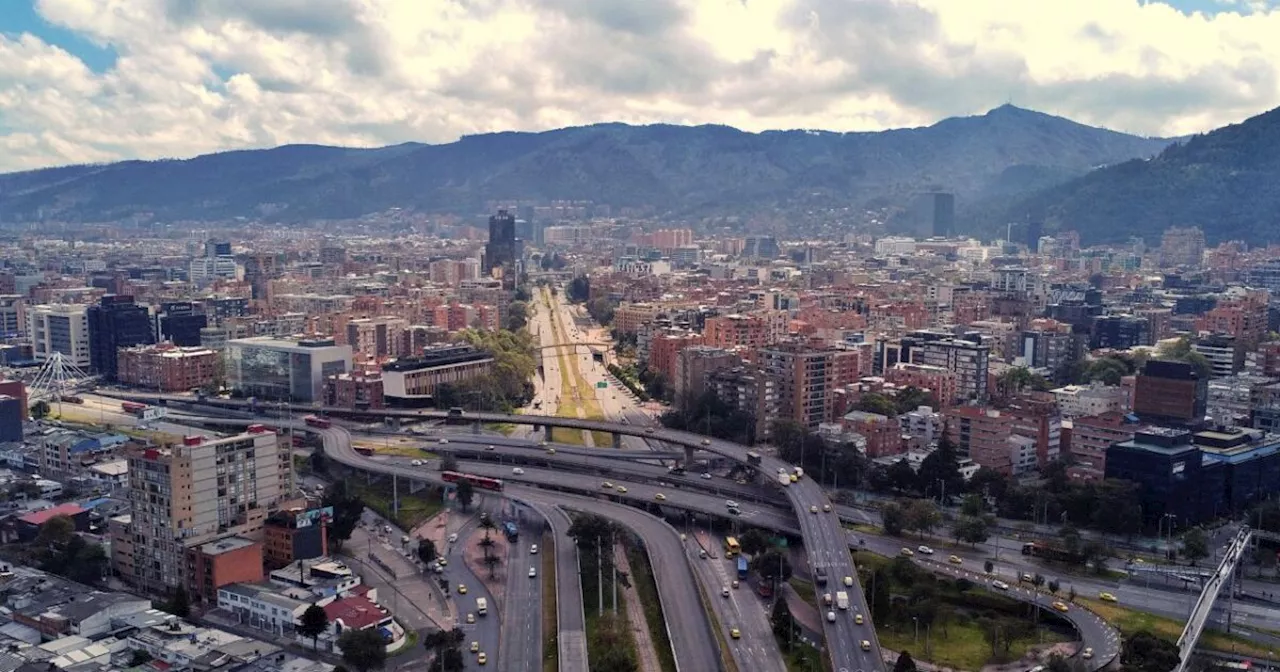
[742, 568]
[753, 458]
[482, 606]
[842, 600]
[1051, 551]
[784, 479]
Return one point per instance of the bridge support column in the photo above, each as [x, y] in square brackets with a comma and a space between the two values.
[688, 456]
[617, 441]
[416, 486]
[475, 427]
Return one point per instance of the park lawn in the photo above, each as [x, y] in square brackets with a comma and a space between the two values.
[1131, 620]
[963, 647]
[804, 658]
[415, 509]
[647, 592]
[868, 561]
[804, 589]
[394, 449]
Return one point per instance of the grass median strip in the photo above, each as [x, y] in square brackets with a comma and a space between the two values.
[647, 590]
[550, 618]
[1129, 621]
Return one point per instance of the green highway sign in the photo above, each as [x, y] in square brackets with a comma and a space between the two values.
[602, 384]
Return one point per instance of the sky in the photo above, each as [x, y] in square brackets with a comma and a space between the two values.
[85, 81]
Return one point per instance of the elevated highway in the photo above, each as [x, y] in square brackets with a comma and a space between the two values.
[825, 542]
[1094, 632]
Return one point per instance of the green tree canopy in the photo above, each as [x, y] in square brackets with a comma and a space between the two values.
[363, 650]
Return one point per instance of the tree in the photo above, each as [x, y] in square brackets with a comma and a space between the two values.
[902, 477]
[873, 402]
[1146, 652]
[988, 566]
[1071, 541]
[911, 397]
[491, 561]
[940, 472]
[56, 532]
[754, 541]
[1071, 594]
[517, 315]
[313, 623]
[963, 585]
[905, 663]
[1038, 580]
[922, 516]
[893, 518]
[1195, 546]
[466, 494]
[427, 551]
[363, 650]
[40, 410]
[772, 566]
[972, 505]
[179, 603]
[989, 482]
[1058, 664]
[449, 462]
[878, 586]
[972, 531]
[1054, 586]
[783, 624]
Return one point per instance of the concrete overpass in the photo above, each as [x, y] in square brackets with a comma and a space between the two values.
[1224, 576]
[825, 541]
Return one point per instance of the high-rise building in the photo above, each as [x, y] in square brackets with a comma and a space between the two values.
[806, 378]
[1174, 392]
[217, 248]
[503, 249]
[204, 490]
[116, 322]
[762, 247]
[282, 368]
[259, 271]
[1182, 247]
[1120, 332]
[929, 214]
[180, 322]
[377, 338]
[968, 360]
[12, 412]
[693, 364]
[13, 316]
[62, 328]
[168, 368]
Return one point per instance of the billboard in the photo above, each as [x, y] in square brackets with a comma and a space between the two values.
[312, 516]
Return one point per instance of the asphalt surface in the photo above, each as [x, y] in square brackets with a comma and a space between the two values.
[487, 629]
[741, 609]
[521, 608]
[571, 619]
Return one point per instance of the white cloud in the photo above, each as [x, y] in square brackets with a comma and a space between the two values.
[196, 76]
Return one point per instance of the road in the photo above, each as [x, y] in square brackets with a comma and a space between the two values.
[571, 619]
[741, 608]
[521, 608]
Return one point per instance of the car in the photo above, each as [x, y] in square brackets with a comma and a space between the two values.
[444, 562]
[813, 509]
[826, 508]
[831, 616]
[386, 529]
[826, 598]
[471, 618]
[706, 476]
[533, 572]
[533, 550]
[607, 485]
[999, 585]
[475, 647]
[924, 549]
[866, 645]
[706, 442]
[724, 592]
[443, 440]
[702, 553]
[735, 511]
[648, 430]
[659, 496]
[848, 582]
[1088, 653]
[621, 489]
[735, 633]
[462, 589]
[415, 463]
[482, 659]
[1028, 578]
[551, 451]
[955, 560]
[735, 584]
[542, 444]
[730, 504]
[517, 471]
[857, 619]
[793, 478]
[490, 447]
[1107, 597]
[1060, 606]
[906, 552]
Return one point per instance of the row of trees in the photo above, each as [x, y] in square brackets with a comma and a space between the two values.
[711, 416]
[905, 400]
[609, 643]
[508, 386]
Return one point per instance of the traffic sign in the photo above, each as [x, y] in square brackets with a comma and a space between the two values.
[602, 384]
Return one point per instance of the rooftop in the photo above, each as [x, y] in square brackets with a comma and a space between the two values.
[41, 517]
[226, 545]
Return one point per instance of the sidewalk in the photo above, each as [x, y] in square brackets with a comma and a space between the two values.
[647, 654]
[401, 585]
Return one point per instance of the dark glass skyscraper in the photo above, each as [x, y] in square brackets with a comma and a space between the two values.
[116, 322]
[180, 323]
[503, 247]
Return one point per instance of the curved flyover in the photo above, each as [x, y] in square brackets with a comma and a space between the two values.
[824, 538]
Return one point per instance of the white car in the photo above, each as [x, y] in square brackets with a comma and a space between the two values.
[533, 550]
[453, 537]
[999, 585]
[924, 549]
[831, 617]
[533, 572]
[443, 440]
[517, 471]
[706, 476]
[729, 503]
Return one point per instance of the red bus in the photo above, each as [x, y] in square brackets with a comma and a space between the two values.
[482, 482]
[133, 407]
[322, 423]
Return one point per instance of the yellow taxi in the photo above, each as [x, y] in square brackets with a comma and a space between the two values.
[1107, 597]
[1061, 606]
[735, 633]
[955, 560]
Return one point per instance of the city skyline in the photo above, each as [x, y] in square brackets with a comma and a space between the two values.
[240, 75]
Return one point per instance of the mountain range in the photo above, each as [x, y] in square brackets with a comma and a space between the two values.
[992, 162]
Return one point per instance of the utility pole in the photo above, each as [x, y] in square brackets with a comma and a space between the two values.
[599, 579]
[614, 549]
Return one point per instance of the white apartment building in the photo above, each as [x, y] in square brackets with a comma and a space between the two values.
[205, 270]
[1078, 401]
[60, 328]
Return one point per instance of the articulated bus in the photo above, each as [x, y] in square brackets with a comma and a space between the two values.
[731, 547]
